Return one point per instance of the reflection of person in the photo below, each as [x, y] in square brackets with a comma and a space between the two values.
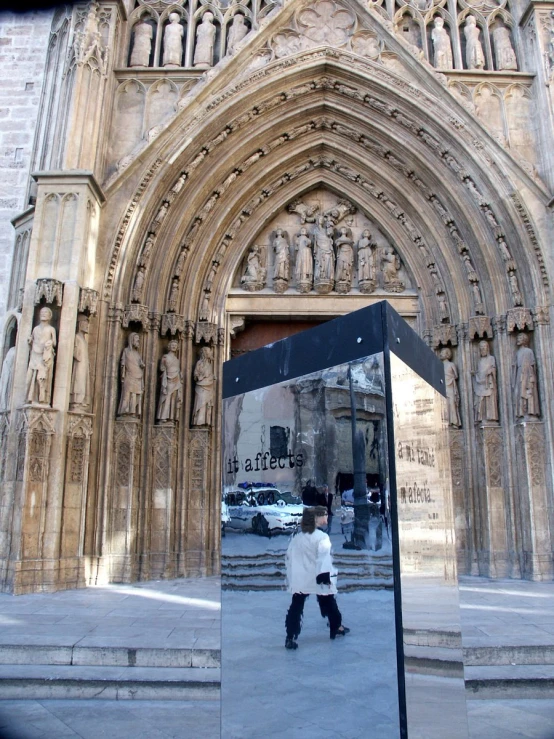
[41, 361]
[484, 385]
[325, 499]
[310, 570]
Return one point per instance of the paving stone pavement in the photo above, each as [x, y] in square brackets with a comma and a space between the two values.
[186, 613]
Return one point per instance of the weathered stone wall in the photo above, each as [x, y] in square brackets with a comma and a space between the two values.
[23, 41]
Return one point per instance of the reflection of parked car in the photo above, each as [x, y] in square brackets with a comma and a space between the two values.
[260, 496]
[225, 518]
[265, 520]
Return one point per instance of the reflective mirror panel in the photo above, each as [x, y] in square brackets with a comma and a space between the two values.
[282, 445]
[432, 640]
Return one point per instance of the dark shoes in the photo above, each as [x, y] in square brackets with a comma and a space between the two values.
[343, 630]
[290, 643]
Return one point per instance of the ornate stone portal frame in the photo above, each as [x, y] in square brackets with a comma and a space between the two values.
[443, 193]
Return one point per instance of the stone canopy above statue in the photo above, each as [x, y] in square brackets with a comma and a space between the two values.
[321, 242]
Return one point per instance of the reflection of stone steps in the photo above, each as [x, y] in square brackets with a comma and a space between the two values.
[266, 571]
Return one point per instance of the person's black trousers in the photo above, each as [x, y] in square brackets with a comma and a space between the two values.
[327, 605]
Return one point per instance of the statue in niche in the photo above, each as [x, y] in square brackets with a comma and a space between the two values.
[202, 414]
[504, 53]
[142, 45]
[324, 256]
[345, 259]
[205, 39]
[146, 251]
[304, 265]
[514, 287]
[80, 375]
[452, 393]
[237, 31]
[40, 372]
[524, 380]
[6, 379]
[485, 386]
[171, 385]
[306, 212]
[281, 265]
[475, 58]
[390, 264]
[173, 296]
[173, 41]
[138, 285]
[254, 274]
[441, 45]
[132, 378]
[366, 263]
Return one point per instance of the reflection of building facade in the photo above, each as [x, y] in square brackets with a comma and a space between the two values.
[305, 432]
[155, 182]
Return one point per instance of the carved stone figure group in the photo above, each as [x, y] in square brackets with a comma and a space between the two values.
[524, 384]
[504, 54]
[323, 258]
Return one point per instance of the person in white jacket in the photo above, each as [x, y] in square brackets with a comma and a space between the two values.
[310, 570]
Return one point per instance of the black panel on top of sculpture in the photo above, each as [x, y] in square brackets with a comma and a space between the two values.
[317, 547]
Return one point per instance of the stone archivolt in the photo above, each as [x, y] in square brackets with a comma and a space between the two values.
[364, 148]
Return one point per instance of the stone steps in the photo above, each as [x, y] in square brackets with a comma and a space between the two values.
[43, 682]
[108, 656]
[509, 682]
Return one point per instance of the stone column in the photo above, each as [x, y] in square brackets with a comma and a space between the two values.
[532, 495]
[162, 515]
[494, 507]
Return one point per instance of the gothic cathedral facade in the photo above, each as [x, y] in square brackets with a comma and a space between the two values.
[201, 168]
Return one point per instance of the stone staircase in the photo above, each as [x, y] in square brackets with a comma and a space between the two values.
[266, 571]
[114, 673]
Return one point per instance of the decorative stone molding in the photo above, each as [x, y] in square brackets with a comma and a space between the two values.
[480, 327]
[172, 323]
[443, 335]
[50, 290]
[221, 337]
[205, 332]
[88, 301]
[135, 313]
[519, 319]
[236, 325]
[499, 323]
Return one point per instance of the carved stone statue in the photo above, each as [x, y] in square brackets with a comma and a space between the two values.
[345, 260]
[132, 379]
[452, 394]
[475, 58]
[173, 41]
[514, 287]
[524, 380]
[205, 39]
[390, 264]
[173, 296]
[202, 414]
[366, 263]
[6, 379]
[171, 385]
[441, 45]
[504, 53]
[138, 285]
[41, 362]
[339, 211]
[281, 265]
[324, 270]
[254, 274]
[485, 386]
[304, 266]
[306, 212]
[142, 45]
[237, 31]
[80, 376]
